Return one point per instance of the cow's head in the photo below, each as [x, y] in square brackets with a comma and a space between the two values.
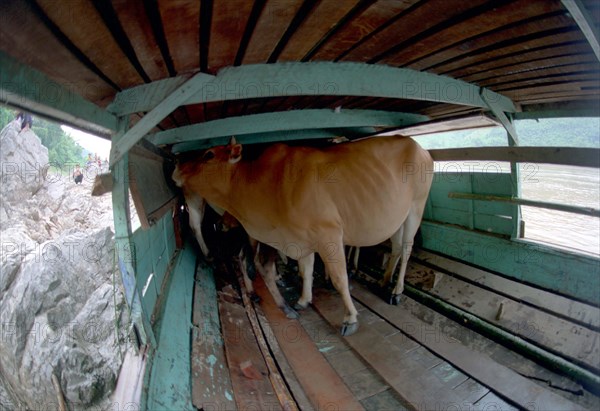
[209, 172]
[230, 153]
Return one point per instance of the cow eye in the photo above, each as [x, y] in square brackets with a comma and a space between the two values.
[208, 155]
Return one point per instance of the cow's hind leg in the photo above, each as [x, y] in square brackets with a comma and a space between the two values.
[268, 271]
[411, 225]
[306, 268]
[335, 265]
[396, 240]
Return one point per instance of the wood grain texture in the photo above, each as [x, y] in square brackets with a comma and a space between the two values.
[504, 380]
[492, 19]
[229, 20]
[181, 20]
[321, 19]
[139, 32]
[407, 374]
[54, 59]
[241, 347]
[419, 19]
[93, 38]
[211, 381]
[320, 382]
[358, 28]
[272, 23]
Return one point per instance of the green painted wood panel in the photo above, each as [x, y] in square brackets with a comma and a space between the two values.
[313, 79]
[126, 250]
[492, 183]
[569, 274]
[285, 121]
[447, 215]
[493, 223]
[493, 208]
[479, 215]
[169, 386]
[154, 249]
[149, 188]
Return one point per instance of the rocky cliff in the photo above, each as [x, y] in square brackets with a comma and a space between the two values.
[61, 312]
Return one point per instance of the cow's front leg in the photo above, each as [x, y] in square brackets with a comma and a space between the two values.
[306, 267]
[196, 208]
[335, 265]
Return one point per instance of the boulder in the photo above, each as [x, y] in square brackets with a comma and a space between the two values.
[24, 164]
[59, 317]
[60, 312]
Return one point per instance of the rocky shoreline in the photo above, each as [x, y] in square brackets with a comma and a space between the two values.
[62, 313]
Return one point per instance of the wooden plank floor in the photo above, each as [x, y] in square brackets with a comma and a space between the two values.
[249, 375]
[322, 385]
[211, 382]
[402, 358]
[572, 340]
[576, 311]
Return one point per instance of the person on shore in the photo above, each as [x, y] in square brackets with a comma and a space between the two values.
[77, 175]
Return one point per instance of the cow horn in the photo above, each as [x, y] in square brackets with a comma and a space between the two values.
[232, 141]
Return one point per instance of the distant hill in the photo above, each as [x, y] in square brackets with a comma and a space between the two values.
[566, 132]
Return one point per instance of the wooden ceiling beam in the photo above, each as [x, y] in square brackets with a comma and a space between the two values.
[286, 121]
[277, 136]
[175, 99]
[312, 79]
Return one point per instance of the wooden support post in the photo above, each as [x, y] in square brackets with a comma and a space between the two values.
[125, 250]
[513, 140]
[178, 97]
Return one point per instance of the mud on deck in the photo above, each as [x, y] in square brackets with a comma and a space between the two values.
[403, 357]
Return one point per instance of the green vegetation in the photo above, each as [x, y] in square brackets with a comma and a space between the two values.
[62, 149]
[557, 132]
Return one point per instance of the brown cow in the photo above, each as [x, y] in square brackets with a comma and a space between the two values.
[303, 200]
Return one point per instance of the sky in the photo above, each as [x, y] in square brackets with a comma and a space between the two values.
[89, 142]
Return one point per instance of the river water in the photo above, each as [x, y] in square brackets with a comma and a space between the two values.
[578, 186]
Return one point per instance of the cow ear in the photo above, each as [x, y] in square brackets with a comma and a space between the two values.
[235, 151]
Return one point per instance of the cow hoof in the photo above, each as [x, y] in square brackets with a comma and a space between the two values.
[300, 307]
[349, 329]
[395, 299]
[254, 298]
[290, 313]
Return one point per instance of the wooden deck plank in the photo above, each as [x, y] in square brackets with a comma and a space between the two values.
[365, 383]
[250, 391]
[571, 340]
[384, 401]
[407, 376]
[476, 364]
[322, 384]
[492, 402]
[471, 390]
[361, 379]
[282, 363]
[211, 382]
[579, 312]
